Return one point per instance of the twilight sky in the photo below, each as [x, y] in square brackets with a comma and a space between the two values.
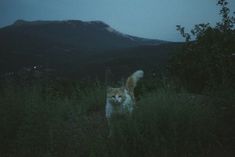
[156, 19]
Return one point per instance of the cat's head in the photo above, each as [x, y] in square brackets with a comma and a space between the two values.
[116, 96]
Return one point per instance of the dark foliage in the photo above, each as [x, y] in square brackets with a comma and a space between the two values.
[207, 62]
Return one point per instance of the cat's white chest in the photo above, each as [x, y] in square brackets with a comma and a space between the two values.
[125, 107]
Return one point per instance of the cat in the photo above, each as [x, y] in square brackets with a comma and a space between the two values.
[121, 101]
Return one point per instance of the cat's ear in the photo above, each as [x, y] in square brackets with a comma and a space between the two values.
[123, 87]
[108, 88]
[123, 83]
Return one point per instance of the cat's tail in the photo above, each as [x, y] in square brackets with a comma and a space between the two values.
[132, 80]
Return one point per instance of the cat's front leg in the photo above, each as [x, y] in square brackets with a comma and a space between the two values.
[110, 127]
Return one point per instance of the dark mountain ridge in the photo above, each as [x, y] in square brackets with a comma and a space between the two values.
[71, 46]
[94, 35]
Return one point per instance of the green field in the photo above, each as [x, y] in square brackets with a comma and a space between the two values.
[57, 119]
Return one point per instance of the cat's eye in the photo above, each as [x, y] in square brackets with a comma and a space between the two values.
[120, 96]
[113, 97]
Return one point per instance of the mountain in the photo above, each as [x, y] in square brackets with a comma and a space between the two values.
[71, 34]
[70, 46]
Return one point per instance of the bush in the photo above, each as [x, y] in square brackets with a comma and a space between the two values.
[207, 62]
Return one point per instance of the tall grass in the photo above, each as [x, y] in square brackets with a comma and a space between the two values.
[42, 120]
[166, 123]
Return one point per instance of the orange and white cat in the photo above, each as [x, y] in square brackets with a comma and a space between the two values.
[121, 101]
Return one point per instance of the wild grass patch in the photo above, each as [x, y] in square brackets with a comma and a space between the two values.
[40, 120]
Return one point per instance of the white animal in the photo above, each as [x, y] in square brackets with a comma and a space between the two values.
[121, 101]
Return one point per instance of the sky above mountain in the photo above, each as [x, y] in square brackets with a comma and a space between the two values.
[155, 19]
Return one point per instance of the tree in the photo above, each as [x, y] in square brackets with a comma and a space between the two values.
[207, 61]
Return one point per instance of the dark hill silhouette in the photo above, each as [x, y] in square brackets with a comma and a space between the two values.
[71, 34]
[75, 47]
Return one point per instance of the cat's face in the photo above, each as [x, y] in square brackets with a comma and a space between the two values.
[116, 96]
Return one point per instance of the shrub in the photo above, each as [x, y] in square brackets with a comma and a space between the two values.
[207, 62]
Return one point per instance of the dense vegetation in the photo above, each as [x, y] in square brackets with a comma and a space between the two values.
[209, 61]
[48, 119]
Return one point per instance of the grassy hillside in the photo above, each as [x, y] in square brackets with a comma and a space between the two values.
[66, 46]
[88, 64]
[50, 118]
